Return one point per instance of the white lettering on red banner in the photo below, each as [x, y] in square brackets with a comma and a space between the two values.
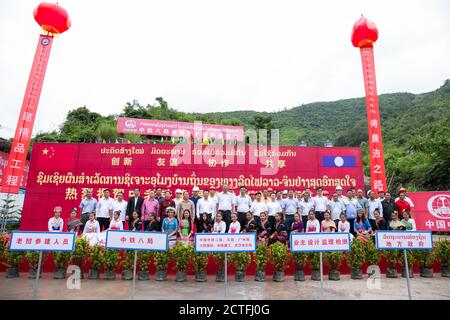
[132, 240]
[324, 241]
[42, 241]
[225, 242]
[404, 240]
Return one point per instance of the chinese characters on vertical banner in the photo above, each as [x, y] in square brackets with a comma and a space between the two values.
[13, 174]
[376, 155]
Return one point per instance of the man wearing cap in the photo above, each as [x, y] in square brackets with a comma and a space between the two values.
[104, 210]
[178, 197]
[336, 208]
[290, 208]
[120, 205]
[225, 204]
[243, 204]
[306, 204]
[374, 204]
[87, 205]
[150, 206]
[285, 194]
[381, 195]
[351, 205]
[195, 197]
[165, 203]
[320, 204]
[407, 199]
[205, 205]
[339, 191]
[134, 204]
[363, 202]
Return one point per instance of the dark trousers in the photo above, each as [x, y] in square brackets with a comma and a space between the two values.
[146, 224]
[242, 218]
[373, 224]
[288, 222]
[104, 223]
[305, 221]
[84, 218]
[319, 216]
[352, 225]
[272, 222]
[336, 223]
[257, 220]
[226, 217]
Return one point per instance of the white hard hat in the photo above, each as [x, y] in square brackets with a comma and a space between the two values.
[195, 189]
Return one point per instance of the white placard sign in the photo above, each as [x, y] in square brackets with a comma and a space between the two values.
[41, 241]
[225, 242]
[320, 241]
[404, 240]
[136, 240]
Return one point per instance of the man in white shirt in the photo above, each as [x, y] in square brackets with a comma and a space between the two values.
[273, 207]
[339, 191]
[120, 205]
[213, 198]
[257, 207]
[104, 210]
[306, 204]
[374, 204]
[243, 204]
[205, 205]
[178, 197]
[290, 208]
[225, 204]
[320, 204]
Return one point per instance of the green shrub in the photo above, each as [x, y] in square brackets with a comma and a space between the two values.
[279, 254]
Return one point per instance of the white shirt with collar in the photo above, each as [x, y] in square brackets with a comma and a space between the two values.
[243, 203]
[225, 201]
[104, 206]
[207, 206]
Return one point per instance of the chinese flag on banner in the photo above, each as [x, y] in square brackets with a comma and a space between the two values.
[13, 173]
[376, 155]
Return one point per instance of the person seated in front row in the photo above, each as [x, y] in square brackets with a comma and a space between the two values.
[219, 225]
[328, 225]
[235, 226]
[136, 224]
[279, 234]
[205, 225]
[250, 225]
[312, 225]
[264, 229]
[362, 225]
[395, 223]
[297, 225]
[56, 223]
[116, 223]
[153, 224]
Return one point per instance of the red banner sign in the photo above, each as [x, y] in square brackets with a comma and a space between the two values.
[13, 174]
[60, 172]
[4, 161]
[376, 154]
[178, 129]
[431, 210]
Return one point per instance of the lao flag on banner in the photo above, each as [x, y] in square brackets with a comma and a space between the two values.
[338, 161]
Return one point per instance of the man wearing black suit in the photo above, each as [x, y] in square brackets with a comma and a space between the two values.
[134, 204]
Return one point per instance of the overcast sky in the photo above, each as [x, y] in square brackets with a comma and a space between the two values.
[210, 55]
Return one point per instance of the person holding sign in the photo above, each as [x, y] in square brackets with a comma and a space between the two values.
[170, 225]
[328, 224]
[362, 225]
[186, 228]
[264, 228]
[116, 222]
[56, 223]
[91, 230]
[280, 233]
[235, 226]
[313, 225]
[219, 226]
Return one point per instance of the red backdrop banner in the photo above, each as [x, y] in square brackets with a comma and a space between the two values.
[4, 160]
[376, 154]
[60, 172]
[13, 173]
[431, 210]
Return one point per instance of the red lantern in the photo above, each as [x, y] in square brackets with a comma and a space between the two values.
[52, 18]
[364, 33]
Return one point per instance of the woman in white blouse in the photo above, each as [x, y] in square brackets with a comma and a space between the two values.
[235, 226]
[219, 225]
[116, 223]
[56, 223]
[91, 230]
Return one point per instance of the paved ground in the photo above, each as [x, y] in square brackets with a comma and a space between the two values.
[346, 288]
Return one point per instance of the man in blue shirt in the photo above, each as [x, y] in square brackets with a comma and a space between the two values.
[351, 205]
[87, 205]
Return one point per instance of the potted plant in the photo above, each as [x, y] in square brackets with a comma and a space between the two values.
[200, 263]
[80, 253]
[240, 261]
[314, 260]
[96, 259]
[393, 258]
[110, 261]
[442, 252]
[161, 263]
[144, 257]
[61, 260]
[13, 259]
[373, 255]
[279, 254]
[300, 260]
[426, 259]
[33, 260]
[128, 265]
[411, 260]
[4, 242]
[261, 260]
[219, 260]
[334, 259]
[182, 254]
[356, 257]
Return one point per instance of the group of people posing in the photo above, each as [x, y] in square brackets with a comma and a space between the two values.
[272, 215]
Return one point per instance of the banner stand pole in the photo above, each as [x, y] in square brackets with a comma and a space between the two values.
[134, 275]
[405, 256]
[38, 274]
[226, 277]
[321, 276]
